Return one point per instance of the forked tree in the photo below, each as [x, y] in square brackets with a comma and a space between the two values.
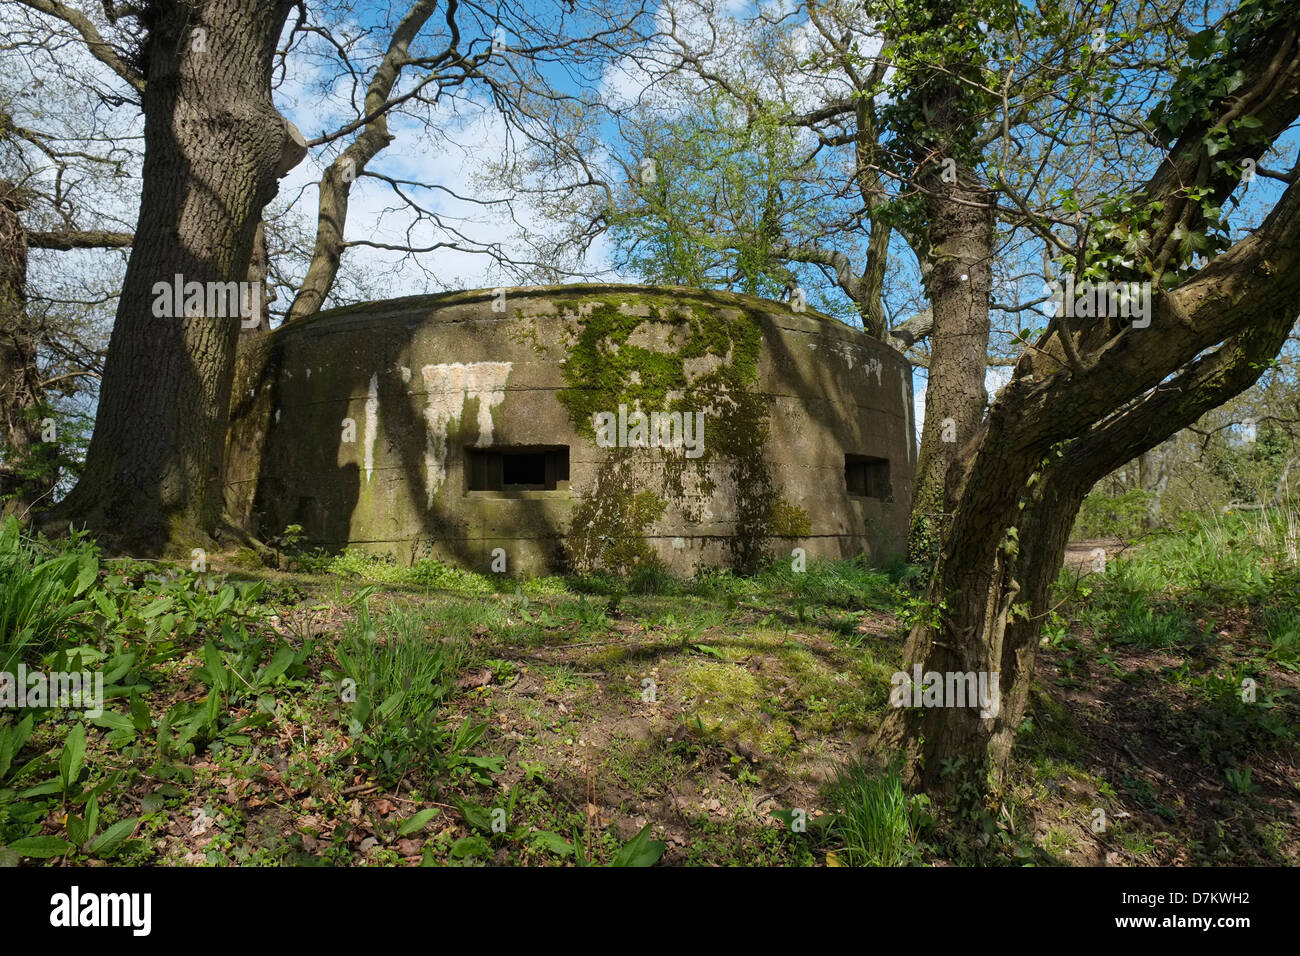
[1091, 393]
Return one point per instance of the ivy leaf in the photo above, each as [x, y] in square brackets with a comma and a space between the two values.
[1201, 45]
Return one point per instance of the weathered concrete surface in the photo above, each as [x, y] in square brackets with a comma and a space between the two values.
[355, 424]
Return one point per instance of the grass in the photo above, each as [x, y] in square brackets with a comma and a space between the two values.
[394, 687]
[1282, 632]
[873, 826]
[1185, 647]
[43, 591]
[1242, 555]
[579, 711]
[1147, 628]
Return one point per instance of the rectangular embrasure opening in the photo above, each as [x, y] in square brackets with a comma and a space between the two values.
[867, 477]
[516, 469]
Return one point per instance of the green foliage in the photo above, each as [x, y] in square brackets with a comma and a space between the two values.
[1240, 566]
[851, 584]
[641, 850]
[1214, 70]
[12, 738]
[1240, 779]
[649, 579]
[729, 184]
[423, 573]
[1220, 725]
[49, 465]
[241, 662]
[1283, 635]
[1241, 555]
[42, 591]
[1119, 244]
[873, 822]
[167, 609]
[398, 687]
[931, 47]
[1250, 470]
[1147, 628]
[22, 811]
[1123, 516]
[84, 833]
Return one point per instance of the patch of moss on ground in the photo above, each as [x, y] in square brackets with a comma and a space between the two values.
[722, 698]
[642, 764]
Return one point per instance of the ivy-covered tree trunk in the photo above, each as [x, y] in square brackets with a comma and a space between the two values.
[959, 285]
[214, 147]
[952, 237]
[1043, 445]
[990, 587]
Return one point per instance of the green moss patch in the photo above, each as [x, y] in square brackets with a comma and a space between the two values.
[609, 525]
[709, 365]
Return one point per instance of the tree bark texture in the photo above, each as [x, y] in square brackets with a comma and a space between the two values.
[214, 144]
[27, 473]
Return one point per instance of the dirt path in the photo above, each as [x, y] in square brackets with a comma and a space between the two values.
[1082, 556]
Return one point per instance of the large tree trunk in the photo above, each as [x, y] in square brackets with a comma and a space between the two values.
[214, 146]
[25, 479]
[991, 589]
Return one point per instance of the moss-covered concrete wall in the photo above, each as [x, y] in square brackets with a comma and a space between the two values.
[355, 425]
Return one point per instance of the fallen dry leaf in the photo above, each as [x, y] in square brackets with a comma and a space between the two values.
[471, 679]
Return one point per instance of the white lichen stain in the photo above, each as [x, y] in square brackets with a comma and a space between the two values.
[447, 389]
[850, 354]
[372, 424]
